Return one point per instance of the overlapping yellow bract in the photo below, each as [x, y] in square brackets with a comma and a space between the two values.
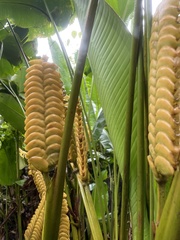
[45, 105]
[164, 90]
[64, 229]
[35, 227]
[81, 144]
[45, 114]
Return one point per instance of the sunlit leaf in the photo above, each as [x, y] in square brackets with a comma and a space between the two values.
[59, 59]
[19, 79]
[109, 56]
[125, 9]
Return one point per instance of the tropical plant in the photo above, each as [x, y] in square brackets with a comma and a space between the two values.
[122, 199]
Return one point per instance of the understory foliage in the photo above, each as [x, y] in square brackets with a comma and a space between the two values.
[120, 196]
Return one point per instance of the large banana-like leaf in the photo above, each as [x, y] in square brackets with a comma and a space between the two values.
[109, 56]
[32, 14]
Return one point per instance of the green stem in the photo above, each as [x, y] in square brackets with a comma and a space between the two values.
[96, 170]
[55, 192]
[116, 197]
[148, 23]
[170, 221]
[90, 210]
[161, 187]
[129, 116]
[17, 189]
[98, 180]
[140, 152]
[73, 227]
[151, 208]
[18, 43]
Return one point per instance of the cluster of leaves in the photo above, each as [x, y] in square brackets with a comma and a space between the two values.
[109, 47]
[6, 131]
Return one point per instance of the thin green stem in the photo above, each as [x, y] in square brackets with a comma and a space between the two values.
[17, 189]
[71, 72]
[161, 199]
[73, 227]
[97, 176]
[151, 208]
[129, 116]
[116, 197]
[148, 23]
[18, 43]
[12, 92]
[54, 199]
[140, 152]
[16, 97]
[96, 170]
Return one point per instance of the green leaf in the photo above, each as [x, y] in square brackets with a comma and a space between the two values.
[11, 111]
[19, 79]
[5, 68]
[100, 204]
[21, 182]
[125, 9]
[32, 14]
[105, 141]
[99, 126]
[30, 49]
[58, 58]
[8, 163]
[90, 97]
[11, 50]
[109, 56]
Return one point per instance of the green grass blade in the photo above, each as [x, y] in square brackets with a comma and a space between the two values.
[90, 210]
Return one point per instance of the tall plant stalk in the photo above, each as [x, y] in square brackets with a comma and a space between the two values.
[17, 189]
[55, 193]
[140, 151]
[129, 117]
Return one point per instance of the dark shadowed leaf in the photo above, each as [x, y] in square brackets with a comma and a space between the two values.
[11, 111]
[32, 14]
[8, 174]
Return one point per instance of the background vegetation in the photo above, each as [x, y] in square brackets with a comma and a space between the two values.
[114, 96]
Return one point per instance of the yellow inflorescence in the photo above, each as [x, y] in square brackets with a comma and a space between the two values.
[164, 90]
[64, 229]
[81, 144]
[45, 116]
[39, 181]
[45, 113]
[34, 229]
